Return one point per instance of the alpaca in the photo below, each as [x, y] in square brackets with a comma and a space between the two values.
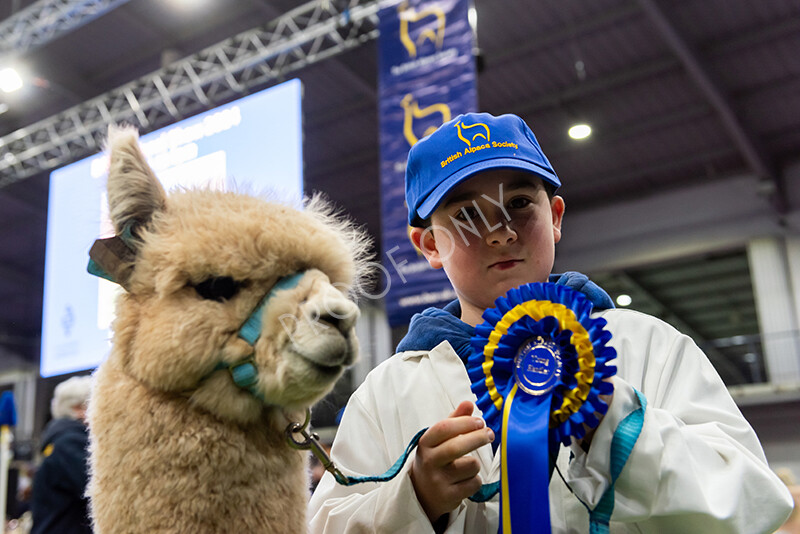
[176, 446]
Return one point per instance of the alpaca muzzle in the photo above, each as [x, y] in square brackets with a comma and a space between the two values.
[324, 333]
[245, 372]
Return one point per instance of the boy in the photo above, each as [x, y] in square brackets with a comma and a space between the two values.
[482, 206]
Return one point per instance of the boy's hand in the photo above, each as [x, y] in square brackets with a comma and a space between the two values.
[441, 473]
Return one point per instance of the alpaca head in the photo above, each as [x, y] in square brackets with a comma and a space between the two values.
[197, 264]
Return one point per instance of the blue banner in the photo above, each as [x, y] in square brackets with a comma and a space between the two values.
[426, 77]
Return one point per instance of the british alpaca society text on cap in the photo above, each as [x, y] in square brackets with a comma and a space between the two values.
[464, 146]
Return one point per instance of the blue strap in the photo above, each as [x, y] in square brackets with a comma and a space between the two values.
[251, 329]
[244, 374]
[392, 471]
[621, 446]
[94, 269]
[622, 443]
[127, 235]
[486, 492]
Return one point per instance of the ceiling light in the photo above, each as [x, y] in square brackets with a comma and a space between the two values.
[580, 131]
[10, 80]
[624, 300]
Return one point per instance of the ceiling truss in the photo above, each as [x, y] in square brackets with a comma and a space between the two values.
[310, 33]
[46, 20]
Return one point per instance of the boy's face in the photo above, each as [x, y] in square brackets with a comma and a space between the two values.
[494, 232]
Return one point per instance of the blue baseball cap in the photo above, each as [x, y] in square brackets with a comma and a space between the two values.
[464, 146]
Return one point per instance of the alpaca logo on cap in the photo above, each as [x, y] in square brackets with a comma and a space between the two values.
[471, 136]
[477, 137]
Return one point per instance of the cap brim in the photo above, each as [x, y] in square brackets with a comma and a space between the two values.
[429, 205]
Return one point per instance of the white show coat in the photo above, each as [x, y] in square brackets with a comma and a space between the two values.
[697, 466]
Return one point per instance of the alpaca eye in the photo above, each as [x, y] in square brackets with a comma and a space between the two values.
[218, 288]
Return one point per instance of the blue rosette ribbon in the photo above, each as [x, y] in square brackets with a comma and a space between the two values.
[538, 369]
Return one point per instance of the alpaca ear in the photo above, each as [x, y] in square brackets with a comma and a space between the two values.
[134, 192]
[134, 196]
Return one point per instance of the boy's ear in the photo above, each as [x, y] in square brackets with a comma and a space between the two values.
[423, 239]
[557, 209]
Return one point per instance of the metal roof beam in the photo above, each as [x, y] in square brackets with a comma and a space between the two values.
[307, 34]
[638, 128]
[644, 71]
[45, 20]
[569, 31]
[593, 86]
[786, 27]
[722, 364]
[745, 142]
[632, 179]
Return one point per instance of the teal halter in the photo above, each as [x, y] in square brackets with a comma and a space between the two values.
[245, 373]
[111, 259]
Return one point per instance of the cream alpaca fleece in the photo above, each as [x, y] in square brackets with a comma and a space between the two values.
[175, 446]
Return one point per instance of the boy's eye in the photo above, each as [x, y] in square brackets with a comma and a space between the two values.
[519, 203]
[218, 288]
[467, 213]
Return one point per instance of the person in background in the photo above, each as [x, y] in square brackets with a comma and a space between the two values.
[58, 502]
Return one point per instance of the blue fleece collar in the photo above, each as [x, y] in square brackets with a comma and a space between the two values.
[434, 325]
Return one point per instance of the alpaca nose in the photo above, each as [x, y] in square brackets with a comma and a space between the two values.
[332, 321]
[340, 315]
[332, 309]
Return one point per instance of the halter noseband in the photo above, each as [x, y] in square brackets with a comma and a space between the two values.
[245, 373]
[112, 258]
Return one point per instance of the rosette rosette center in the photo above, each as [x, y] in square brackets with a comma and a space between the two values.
[542, 339]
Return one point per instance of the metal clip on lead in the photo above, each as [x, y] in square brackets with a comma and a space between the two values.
[311, 442]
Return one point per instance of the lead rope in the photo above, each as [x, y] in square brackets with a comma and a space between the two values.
[625, 437]
[310, 442]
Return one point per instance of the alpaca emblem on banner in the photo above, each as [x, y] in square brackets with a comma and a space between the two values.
[408, 14]
[461, 132]
[412, 111]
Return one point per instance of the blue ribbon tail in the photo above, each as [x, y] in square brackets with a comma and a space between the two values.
[527, 466]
